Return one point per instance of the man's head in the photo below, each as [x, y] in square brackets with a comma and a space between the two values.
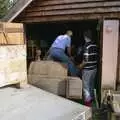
[88, 35]
[69, 33]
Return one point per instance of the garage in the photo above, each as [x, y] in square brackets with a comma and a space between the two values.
[44, 20]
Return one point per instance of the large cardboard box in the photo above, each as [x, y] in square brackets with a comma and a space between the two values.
[38, 68]
[50, 84]
[74, 88]
[48, 75]
[48, 68]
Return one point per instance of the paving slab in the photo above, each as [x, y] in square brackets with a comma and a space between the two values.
[35, 104]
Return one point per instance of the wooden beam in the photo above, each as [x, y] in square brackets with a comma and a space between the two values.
[59, 2]
[71, 17]
[72, 11]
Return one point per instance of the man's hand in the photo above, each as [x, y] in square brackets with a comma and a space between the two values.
[81, 66]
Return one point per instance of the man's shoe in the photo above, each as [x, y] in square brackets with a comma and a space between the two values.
[88, 103]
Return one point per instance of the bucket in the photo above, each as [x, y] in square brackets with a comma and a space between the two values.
[101, 114]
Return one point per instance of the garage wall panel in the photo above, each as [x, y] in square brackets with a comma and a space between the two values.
[50, 10]
[110, 53]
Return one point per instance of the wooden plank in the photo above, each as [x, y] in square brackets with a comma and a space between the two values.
[11, 33]
[56, 2]
[14, 30]
[110, 53]
[73, 11]
[15, 38]
[1, 27]
[38, 7]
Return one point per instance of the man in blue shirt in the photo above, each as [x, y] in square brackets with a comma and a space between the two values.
[57, 51]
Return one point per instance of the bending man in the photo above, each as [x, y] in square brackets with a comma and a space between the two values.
[57, 51]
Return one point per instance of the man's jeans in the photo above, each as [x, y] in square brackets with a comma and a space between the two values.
[59, 55]
[88, 78]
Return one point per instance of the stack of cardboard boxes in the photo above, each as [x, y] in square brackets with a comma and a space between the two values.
[52, 76]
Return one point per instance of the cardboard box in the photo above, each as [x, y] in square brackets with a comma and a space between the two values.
[38, 68]
[56, 69]
[50, 84]
[74, 88]
[48, 75]
[48, 68]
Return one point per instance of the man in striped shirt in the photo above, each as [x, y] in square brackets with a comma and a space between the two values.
[89, 67]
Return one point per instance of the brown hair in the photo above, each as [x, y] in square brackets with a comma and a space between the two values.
[88, 34]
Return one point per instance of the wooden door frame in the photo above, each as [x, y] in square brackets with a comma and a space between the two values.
[118, 62]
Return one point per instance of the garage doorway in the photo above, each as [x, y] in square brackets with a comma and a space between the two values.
[42, 36]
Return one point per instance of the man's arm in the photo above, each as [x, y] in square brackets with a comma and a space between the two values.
[68, 45]
[69, 51]
[85, 59]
